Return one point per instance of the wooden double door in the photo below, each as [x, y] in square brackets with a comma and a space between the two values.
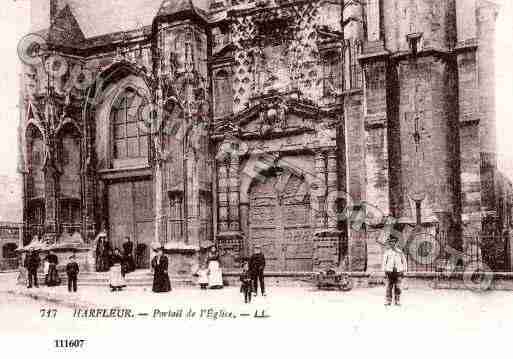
[280, 222]
[132, 214]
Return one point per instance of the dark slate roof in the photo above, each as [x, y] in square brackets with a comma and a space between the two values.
[172, 8]
[65, 29]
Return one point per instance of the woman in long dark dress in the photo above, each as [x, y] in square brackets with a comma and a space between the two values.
[161, 282]
[52, 277]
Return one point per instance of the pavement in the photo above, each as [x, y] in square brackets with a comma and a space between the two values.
[288, 303]
[440, 315]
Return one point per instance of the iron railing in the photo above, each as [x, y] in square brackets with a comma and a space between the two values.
[9, 264]
[436, 253]
[71, 227]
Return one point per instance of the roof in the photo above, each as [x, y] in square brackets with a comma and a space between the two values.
[100, 17]
[170, 8]
[65, 29]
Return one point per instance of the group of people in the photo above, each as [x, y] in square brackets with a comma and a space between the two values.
[394, 266]
[52, 278]
[106, 254]
[111, 259]
[118, 264]
[209, 275]
[252, 275]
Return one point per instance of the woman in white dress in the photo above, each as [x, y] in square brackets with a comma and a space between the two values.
[215, 275]
[116, 278]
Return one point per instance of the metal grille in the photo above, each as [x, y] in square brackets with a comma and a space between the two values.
[480, 252]
[9, 264]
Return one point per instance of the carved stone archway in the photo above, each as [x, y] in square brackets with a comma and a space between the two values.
[280, 220]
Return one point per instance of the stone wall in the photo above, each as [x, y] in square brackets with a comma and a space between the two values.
[434, 19]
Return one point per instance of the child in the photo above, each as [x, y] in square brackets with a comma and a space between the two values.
[72, 272]
[203, 276]
[246, 286]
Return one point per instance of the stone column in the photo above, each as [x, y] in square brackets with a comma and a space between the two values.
[89, 224]
[373, 20]
[222, 193]
[486, 17]
[192, 204]
[229, 239]
[233, 194]
[327, 237]
[51, 204]
[319, 192]
[244, 226]
[160, 236]
[331, 185]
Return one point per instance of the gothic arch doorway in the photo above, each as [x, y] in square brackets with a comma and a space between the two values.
[280, 221]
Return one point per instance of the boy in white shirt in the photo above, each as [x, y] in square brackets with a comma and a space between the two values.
[394, 266]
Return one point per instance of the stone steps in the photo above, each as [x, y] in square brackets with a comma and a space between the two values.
[140, 278]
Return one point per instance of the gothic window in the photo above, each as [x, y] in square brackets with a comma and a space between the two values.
[223, 98]
[70, 214]
[332, 72]
[130, 138]
[205, 216]
[175, 223]
[69, 151]
[36, 216]
[36, 155]
[356, 70]
[352, 71]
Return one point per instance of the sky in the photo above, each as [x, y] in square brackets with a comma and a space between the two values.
[14, 23]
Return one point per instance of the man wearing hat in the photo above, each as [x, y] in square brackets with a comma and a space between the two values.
[103, 252]
[394, 266]
[72, 272]
[256, 270]
[128, 255]
[32, 262]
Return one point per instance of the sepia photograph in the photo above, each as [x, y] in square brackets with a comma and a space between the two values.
[307, 178]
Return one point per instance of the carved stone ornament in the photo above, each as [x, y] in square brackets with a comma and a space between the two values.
[273, 117]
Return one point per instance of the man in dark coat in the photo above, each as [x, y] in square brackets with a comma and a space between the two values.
[128, 255]
[256, 268]
[103, 252]
[32, 262]
[72, 270]
[161, 282]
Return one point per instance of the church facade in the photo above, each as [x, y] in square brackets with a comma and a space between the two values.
[298, 126]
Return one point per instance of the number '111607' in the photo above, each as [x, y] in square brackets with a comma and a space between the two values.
[69, 343]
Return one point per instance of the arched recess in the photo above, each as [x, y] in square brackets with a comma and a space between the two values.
[109, 85]
[35, 194]
[125, 192]
[280, 219]
[69, 144]
[255, 167]
[223, 97]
